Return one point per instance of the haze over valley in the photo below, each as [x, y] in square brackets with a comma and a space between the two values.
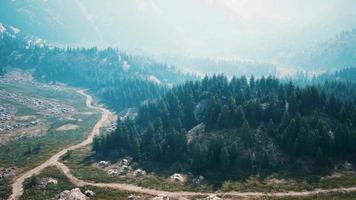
[191, 99]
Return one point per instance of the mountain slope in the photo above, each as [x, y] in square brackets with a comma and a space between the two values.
[339, 52]
[109, 73]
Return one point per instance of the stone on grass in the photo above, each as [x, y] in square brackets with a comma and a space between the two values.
[74, 194]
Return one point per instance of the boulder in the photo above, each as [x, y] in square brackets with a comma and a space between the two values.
[103, 163]
[74, 194]
[177, 177]
[89, 193]
[124, 162]
[52, 181]
[139, 172]
[131, 197]
[213, 197]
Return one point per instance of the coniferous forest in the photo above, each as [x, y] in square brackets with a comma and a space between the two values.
[239, 125]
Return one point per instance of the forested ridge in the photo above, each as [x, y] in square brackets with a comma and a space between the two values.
[119, 79]
[254, 125]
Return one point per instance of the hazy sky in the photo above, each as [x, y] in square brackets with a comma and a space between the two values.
[218, 28]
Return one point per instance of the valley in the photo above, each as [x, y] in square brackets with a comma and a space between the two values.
[81, 170]
[178, 100]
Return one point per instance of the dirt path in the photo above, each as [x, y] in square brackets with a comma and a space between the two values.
[54, 160]
[17, 186]
[247, 195]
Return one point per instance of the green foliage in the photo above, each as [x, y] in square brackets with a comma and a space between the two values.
[240, 118]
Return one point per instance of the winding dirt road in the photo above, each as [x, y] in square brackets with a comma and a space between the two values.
[54, 160]
[17, 186]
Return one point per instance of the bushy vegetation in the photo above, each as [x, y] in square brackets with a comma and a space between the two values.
[248, 125]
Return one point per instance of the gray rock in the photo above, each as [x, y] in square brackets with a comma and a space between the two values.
[89, 193]
[74, 194]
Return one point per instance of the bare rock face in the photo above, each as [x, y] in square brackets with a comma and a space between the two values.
[74, 194]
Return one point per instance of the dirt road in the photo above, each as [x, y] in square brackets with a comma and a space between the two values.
[106, 114]
[17, 186]
[237, 195]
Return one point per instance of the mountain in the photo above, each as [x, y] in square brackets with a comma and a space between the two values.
[110, 73]
[224, 128]
[53, 20]
[337, 53]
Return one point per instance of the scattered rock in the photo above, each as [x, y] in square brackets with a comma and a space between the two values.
[139, 172]
[74, 194]
[213, 197]
[89, 193]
